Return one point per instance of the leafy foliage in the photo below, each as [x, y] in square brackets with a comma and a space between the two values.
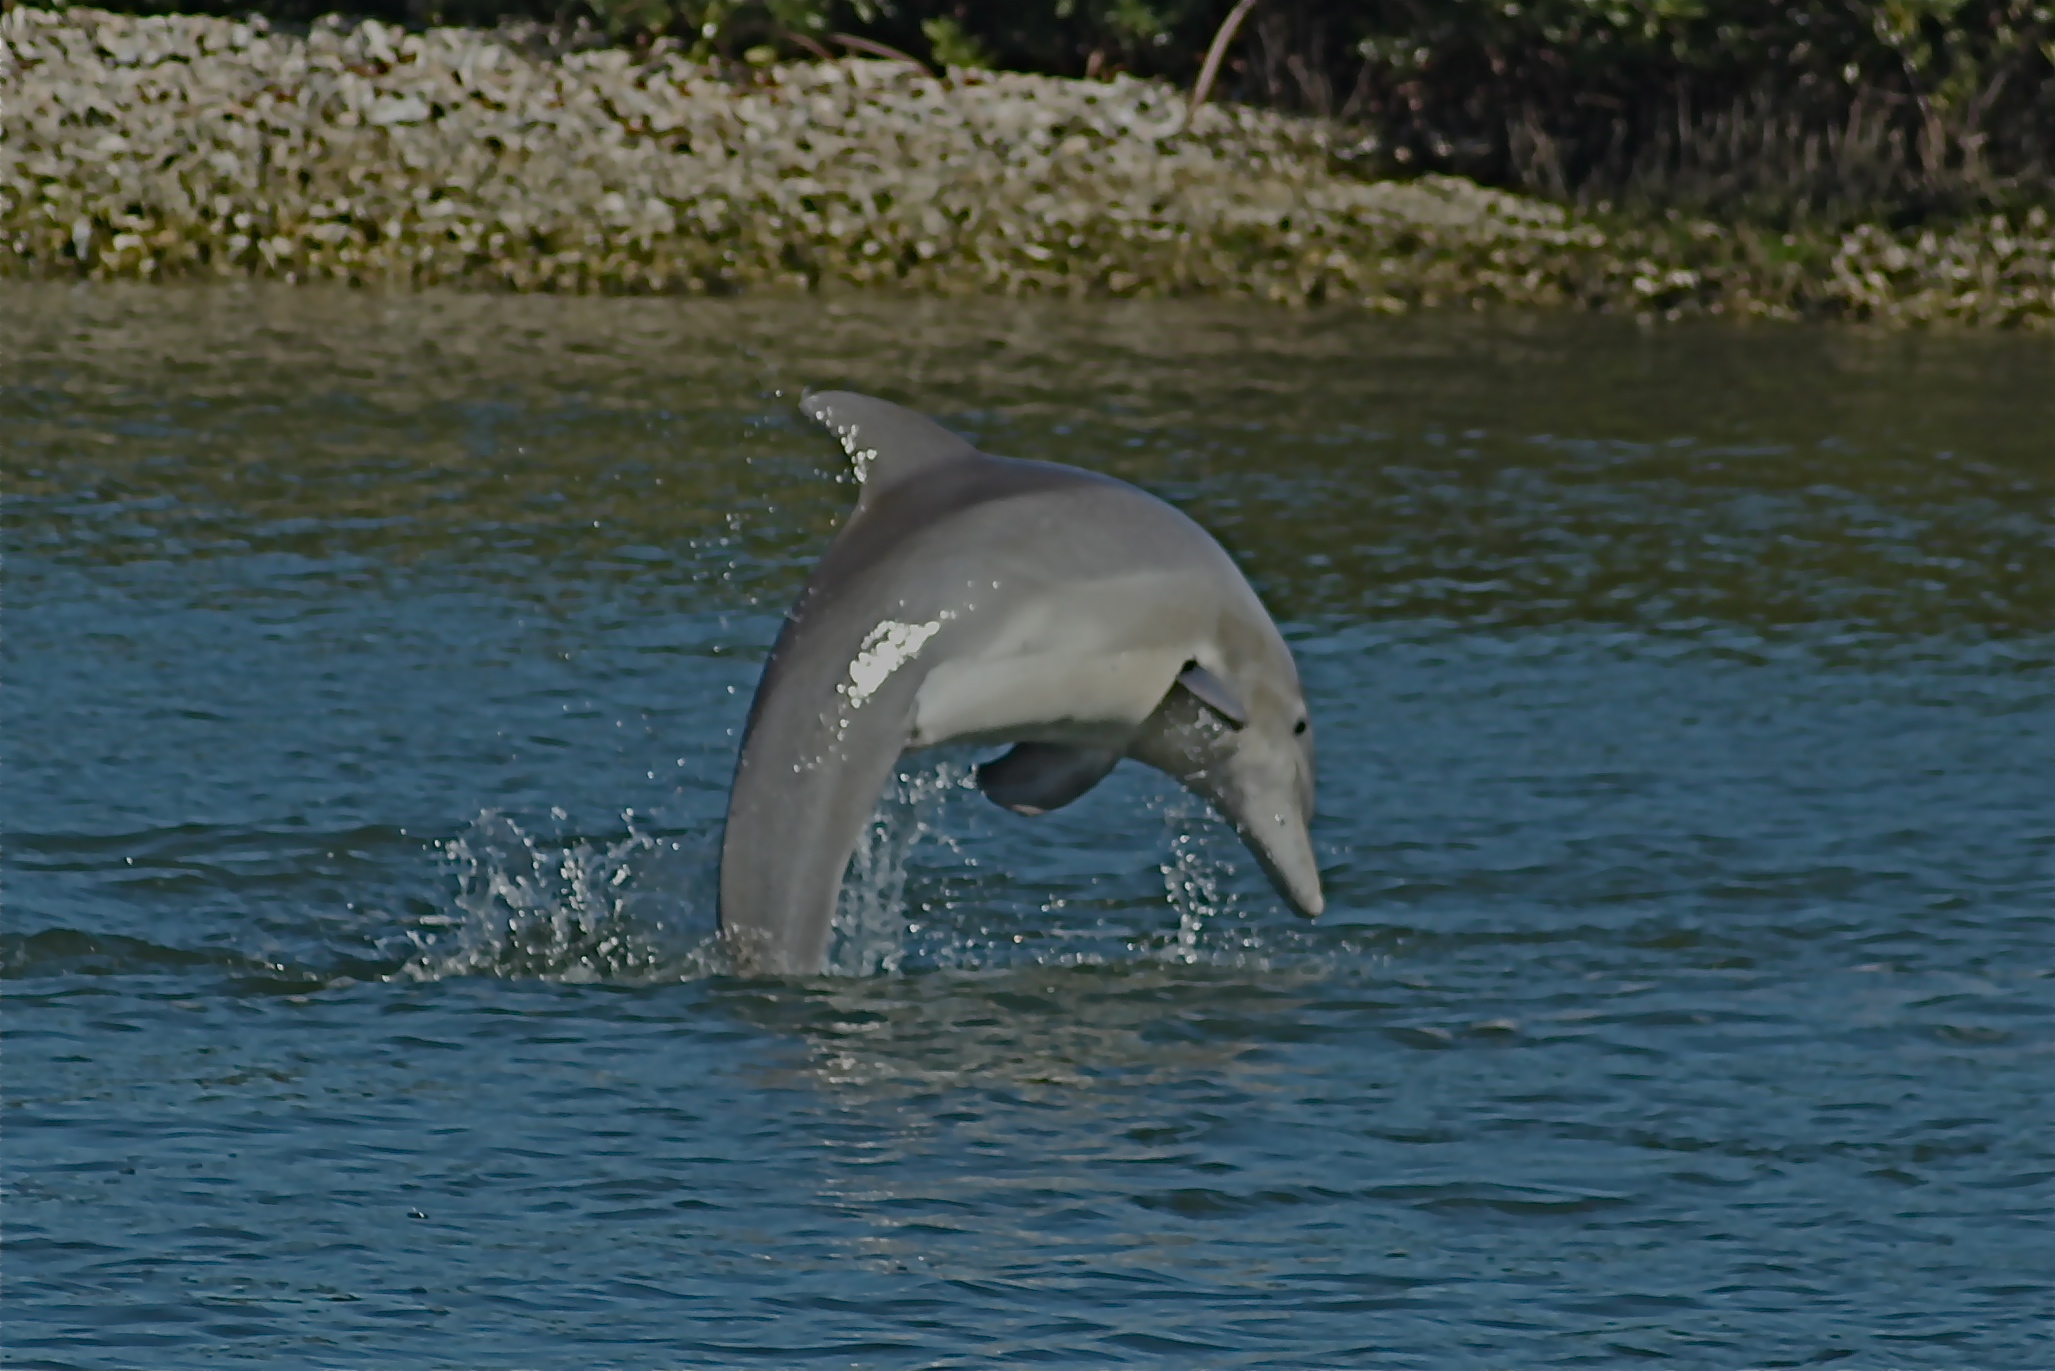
[1753, 109]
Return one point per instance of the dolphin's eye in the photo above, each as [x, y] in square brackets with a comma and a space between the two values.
[1299, 727]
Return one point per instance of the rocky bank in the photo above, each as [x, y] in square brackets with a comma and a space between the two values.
[186, 147]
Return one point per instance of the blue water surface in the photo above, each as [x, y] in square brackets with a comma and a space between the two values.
[373, 673]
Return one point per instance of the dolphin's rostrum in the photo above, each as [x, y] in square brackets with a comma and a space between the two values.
[980, 599]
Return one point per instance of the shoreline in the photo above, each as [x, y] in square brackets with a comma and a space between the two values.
[192, 148]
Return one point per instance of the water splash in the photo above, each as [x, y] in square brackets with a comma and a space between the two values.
[640, 908]
[1194, 874]
[1224, 918]
[872, 916]
[880, 930]
[569, 909]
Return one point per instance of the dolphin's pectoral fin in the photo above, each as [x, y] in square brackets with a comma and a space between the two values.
[1214, 693]
[1035, 778]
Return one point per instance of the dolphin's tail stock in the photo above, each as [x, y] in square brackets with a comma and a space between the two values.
[805, 785]
[784, 855]
[828, 724]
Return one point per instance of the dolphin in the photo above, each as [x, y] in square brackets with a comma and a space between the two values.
[994, 600]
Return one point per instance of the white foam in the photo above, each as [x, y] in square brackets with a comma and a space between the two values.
[872, 915]
[860, 458]
[569, 910]
[886, 648]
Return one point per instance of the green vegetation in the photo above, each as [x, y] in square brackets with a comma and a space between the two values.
[698, 153]
[1774, 112]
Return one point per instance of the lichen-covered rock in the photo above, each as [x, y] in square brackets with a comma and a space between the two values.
[185, 146]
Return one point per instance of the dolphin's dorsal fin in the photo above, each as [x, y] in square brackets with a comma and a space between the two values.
[885, 442]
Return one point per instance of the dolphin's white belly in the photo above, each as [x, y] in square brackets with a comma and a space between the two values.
[1081, 663]
[1053, 697]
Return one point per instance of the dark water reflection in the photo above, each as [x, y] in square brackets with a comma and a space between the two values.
[372, 668]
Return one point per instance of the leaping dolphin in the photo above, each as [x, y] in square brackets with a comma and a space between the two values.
[980, 599]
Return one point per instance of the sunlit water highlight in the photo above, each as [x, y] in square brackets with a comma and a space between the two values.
[373, 670]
